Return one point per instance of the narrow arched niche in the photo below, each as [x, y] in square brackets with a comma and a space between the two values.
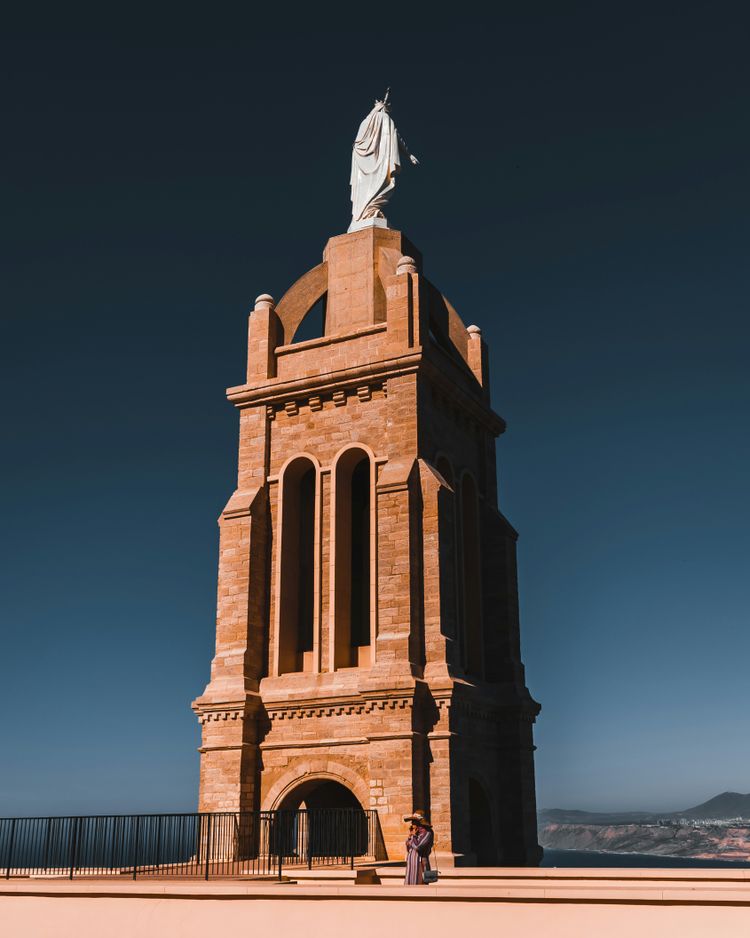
[481, 836]
[353, 557]
[450, 592]
[297, 567]
[472, 607]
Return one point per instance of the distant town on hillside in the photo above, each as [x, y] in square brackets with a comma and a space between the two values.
[717, 829]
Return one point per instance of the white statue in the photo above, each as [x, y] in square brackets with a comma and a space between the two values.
[376, 158]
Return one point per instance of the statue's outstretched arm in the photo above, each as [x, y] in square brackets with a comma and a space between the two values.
[405, 150]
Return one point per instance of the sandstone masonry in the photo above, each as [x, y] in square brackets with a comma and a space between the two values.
[367, 638]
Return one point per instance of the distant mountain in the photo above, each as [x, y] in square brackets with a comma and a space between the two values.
[729, 804]
[564, 816]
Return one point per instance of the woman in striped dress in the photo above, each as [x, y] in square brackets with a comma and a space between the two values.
[418, 848]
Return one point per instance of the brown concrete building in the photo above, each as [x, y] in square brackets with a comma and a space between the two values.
[367, 646]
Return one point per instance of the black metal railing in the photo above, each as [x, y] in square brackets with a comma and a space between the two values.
[253, 843]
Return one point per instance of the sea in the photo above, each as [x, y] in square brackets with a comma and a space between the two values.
[589, 859]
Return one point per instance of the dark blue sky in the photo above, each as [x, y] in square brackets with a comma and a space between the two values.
[583, 196]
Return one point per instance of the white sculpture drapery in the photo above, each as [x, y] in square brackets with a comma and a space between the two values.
[376, 158]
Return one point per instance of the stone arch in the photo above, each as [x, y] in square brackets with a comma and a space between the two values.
[353, 602]
[363, 446]
[303, 454]
[323, 769]
[299, 299]
[297, 613]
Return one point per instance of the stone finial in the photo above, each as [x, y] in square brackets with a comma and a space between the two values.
[265, 299]
[406, 265]
[474, 331]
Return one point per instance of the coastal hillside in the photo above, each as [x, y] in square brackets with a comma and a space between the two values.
[718, 829]
[709, 842]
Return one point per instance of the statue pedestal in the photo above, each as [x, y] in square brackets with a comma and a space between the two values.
[368, 223]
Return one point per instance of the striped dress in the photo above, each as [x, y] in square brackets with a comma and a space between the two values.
[418, 847]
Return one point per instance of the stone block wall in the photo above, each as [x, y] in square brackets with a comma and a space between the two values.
[417, 720]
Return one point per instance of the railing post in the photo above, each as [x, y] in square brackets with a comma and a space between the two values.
[350, 822]
[208, 845]
[136, 844]
[279, 838]
[308, 832]
[47, 839]
[10, 847]
[73, 845]
[158, 842]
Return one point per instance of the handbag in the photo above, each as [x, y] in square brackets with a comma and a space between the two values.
[431, 876]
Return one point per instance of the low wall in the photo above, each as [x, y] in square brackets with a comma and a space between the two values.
[546, 903]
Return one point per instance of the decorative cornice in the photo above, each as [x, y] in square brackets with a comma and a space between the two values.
[332, 384]
[209, 716]
[212, 711]
[311, 385]
[461, 402]
[316, 402]
[480, 710]
[446, 704]
[292, 712]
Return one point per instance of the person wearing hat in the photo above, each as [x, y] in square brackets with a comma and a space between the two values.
[418, 848]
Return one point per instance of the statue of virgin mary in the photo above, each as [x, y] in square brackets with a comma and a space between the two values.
[376, 158]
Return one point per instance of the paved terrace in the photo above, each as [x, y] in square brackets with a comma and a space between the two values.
[508, 902]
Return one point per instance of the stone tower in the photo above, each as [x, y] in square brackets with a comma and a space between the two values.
[367, 640]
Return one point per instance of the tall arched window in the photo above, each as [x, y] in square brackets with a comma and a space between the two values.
[450, 594]
[297, 567]
[471, 577]
[352, 561]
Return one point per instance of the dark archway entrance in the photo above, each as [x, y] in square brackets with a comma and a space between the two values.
[322, 820]
[319, 794]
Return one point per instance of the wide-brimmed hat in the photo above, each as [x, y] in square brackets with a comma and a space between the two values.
[418, 818]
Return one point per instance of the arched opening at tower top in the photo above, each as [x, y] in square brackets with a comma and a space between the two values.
[313, 324]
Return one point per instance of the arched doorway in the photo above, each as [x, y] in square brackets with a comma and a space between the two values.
[324, 821]
[319, 794]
